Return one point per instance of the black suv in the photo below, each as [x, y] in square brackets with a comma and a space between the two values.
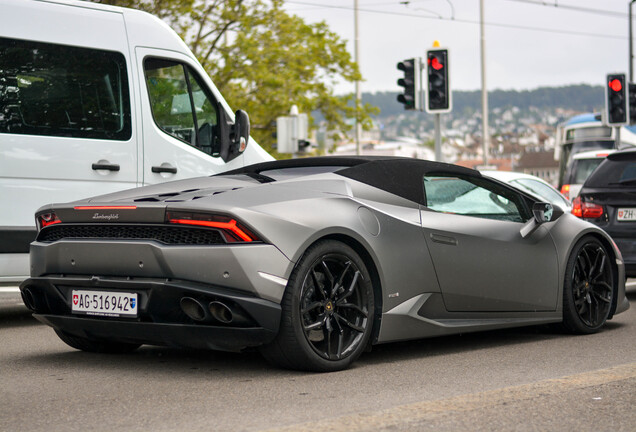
[608, 199]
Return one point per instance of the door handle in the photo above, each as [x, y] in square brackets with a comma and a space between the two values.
[105, 166]
[164, 169]
[437, 238]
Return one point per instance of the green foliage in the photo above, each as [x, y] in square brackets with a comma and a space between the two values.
[264, 60]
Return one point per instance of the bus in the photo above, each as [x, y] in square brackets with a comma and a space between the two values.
[584, 133]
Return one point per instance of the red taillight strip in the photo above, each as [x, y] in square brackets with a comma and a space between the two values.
[586, 210]
[105, 207]
[577, 210]
[229, 226]
[53, 222]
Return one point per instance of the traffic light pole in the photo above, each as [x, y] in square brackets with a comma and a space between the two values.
[438, 138]
[617, 142]
[631, 46]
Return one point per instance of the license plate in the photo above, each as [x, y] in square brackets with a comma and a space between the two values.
[626, 214]
[104, 303]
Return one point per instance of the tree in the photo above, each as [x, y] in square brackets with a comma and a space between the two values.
[264, 60]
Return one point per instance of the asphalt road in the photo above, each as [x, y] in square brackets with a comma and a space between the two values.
[521, 379]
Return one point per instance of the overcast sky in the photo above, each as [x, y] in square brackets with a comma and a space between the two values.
[529, 43]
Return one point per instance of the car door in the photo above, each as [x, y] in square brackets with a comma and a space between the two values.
[483, 264]
[180, 116]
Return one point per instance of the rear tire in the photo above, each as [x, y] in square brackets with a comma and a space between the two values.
[327, 311]
[588, 291]
[96, 346]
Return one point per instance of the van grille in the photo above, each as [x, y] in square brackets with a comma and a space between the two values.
[171, 235]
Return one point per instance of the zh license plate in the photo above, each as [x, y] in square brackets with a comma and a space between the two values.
[104, 303]
[626, 214]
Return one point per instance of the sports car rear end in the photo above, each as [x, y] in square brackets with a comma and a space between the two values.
[146, 273]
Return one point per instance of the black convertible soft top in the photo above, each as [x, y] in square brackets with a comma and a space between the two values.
[397, 175]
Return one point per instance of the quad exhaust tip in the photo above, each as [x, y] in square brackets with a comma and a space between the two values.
[28, 299]
[193, 308]
[199, 312]
[220, 312]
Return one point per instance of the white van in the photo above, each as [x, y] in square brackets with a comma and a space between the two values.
[95, 99]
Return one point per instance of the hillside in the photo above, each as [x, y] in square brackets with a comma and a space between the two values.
[582, 98]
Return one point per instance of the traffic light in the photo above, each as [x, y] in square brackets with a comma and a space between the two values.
[411, 83]
[617, 100]
[632, 103]
[438, 92]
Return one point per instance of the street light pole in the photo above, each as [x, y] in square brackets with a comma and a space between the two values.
[631, 44]
[484, 90]
[356, 59]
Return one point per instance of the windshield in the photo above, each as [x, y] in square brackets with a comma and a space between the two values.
[542, 190]
[289, 173]
[582, 168]
[280, 174]
[566, 173]
[611, 173]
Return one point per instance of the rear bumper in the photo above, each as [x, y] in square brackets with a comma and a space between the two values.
[173, 335]
[160, 320]
[258, 270]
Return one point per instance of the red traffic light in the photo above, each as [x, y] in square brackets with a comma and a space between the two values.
[616, 85]
[435, 63]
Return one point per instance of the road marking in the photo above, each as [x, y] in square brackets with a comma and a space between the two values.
[397, 417]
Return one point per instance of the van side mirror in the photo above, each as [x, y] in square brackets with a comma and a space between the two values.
[233, 137]
[240, 132]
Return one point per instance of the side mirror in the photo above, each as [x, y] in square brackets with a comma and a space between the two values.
[241, 131]
[233, 137]
[545, 212]
[542, 212]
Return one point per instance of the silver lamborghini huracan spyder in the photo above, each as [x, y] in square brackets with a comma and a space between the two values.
[314, 260]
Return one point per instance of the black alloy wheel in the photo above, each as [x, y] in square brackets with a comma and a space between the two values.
[334, 306]
[589, 287]
[327, 311]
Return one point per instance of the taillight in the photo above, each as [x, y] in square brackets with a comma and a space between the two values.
[46, 219]
[234, 231]
[565, 190]
[105, 207]
[586, 210]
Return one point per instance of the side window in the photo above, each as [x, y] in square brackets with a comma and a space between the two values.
[473, 197]
[180, 106]
[57, 90]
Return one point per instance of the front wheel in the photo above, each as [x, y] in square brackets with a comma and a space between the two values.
[327, 311]
[589, 287]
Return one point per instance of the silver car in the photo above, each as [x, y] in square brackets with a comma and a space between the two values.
[533, 185]
[315, 260]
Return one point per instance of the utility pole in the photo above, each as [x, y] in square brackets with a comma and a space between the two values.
[631, 44]
[357, 60]
[484, 90]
